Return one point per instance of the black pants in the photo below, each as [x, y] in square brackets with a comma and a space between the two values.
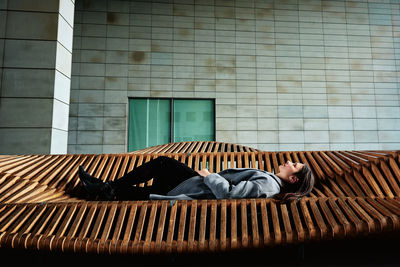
[166, 172]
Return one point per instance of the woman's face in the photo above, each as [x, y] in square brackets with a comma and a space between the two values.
[287, 171]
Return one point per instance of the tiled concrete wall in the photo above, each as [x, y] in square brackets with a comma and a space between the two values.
[286, 75]
[36, 58]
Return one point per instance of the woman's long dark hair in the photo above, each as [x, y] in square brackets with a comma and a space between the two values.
[299, 189]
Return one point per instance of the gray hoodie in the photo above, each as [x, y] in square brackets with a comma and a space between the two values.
[230, 183]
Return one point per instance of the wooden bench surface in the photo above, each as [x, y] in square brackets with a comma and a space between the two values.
[41, 208]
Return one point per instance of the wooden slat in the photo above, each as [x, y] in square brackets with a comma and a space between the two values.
[223, 225]
[213, 226]
[192, 225]
[254, 223]
[244, 230]
[139, 228]
[150, 226]
[202, 226]
[161, 227]
[288, 232]
[182, 225]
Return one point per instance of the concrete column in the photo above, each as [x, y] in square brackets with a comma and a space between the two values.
[35, 68]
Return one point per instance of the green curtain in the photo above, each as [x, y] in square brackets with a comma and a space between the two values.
[193, 120]
[149, 123]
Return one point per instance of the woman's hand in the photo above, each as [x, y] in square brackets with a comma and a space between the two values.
[203, 172]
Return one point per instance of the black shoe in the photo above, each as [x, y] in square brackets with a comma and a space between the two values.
[96, 188]
[108, 192]
[84, 176]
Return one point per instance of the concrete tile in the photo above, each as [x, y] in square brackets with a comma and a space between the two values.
[290, 111]
[367, 146]
[3, 24]
[268, 147]
[27, 83]
[340, 112]
[91, 110]
[40, 26]
[114, 149]
[389, 136]
[291, 147]
[25, 141]
[316, 147]
[92, 69]
[316, 137]
[267, 137]
[389, 146]
[89, 149]
[117, 31]
[315, 111]
[246, 136]
[316, 124]
[341, 124]
[91, 83]
[291, 124]
[71, 138]
[267, 111]
[226, 136]
[90, 123]
[246, 111]
[226, 124]
[116, 18]
[364, 112]
[246, 124]
[114, 137]
[26, 112]
[365, 124]
[29, 5]
[115, 110]
[116, 83]
[365, 136]
[114, 123]
[74, 96]
[29, 54]
[117, 70]
[73, 122]
[291, 137]
[94, 17]
[96, 43]
[341, 136]
[339, 100]
[121, 44]
[140, 20]
[388, 124]
[388, 112]
[117, 57]
[90, 137]
[117, 97]
[343, 146]
[91, 96]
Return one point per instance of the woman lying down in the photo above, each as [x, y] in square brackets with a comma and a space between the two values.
[173, 179]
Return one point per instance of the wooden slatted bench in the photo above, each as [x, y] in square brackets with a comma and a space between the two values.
[357, 193]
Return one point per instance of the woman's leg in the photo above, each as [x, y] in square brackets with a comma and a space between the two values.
[166, 172]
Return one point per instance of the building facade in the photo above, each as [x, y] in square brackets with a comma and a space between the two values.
[283, 75]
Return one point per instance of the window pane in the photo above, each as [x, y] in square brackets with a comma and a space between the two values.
[149, 123]
[193, 120]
